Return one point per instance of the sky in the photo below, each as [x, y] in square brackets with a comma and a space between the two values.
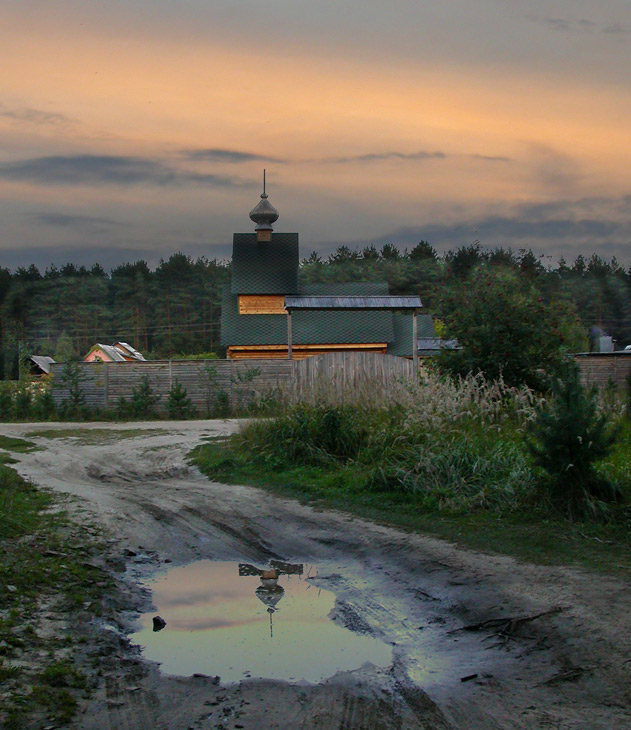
[132, 129]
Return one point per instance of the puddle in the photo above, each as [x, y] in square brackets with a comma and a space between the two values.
[227, 619]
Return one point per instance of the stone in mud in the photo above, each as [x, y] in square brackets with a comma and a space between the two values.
[158, 623]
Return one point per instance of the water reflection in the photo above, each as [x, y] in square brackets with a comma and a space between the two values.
[236, 620]
[269, 592]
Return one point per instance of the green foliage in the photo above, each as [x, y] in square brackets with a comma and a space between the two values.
[64, 349]
[44, 405]
[143, 399]
[506, 329]
[23, 402]
[71, 378]
[568, 439]
[217, 400]
[442, 445]
[178, 403]
[7, 408]
[196, 356]
[309, 434]
[52, 571]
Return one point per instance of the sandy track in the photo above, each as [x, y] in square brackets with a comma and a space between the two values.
[568, 670]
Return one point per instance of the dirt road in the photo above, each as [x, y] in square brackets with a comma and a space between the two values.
[570, 669]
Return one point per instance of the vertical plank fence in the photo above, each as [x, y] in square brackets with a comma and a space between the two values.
[337, 377]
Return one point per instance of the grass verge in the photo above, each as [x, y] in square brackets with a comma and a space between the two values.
[524, 534]
[49, 587]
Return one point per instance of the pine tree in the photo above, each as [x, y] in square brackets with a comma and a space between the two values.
[568, 439]
[179, 405]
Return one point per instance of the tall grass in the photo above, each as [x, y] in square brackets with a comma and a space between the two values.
[450, 445]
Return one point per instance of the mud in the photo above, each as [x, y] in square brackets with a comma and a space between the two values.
[565, 670]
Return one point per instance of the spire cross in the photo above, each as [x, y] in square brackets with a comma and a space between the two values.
[263, 181]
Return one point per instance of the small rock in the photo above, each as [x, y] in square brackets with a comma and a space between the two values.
[12, 589]
[158, 623]
[129, 553]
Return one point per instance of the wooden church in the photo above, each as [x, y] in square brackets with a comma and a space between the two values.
[254, 319]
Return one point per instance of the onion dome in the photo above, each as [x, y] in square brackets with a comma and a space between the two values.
[264, 214]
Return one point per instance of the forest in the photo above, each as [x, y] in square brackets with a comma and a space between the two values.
[174, 310]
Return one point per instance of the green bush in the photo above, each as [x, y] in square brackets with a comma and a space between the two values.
[179, 405]
[143, 399]
[7, 406]
[23, 402]
[44, 405]
[567, 440]
[312, 434]
[72, 377]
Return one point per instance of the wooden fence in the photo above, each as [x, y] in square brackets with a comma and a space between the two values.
[236, 383]
[342, 376]
[605, 368]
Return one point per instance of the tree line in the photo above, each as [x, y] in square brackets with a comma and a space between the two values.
[174, 309]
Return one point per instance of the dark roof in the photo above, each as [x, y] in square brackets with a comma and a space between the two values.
[265, 268]
[43, 362]
[349, 303]
[310, 327]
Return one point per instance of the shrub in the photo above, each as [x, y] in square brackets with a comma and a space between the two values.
[178, 403]
[143, 399]
[44, 405]
[568, 438]
[7, 410]
[309, 434]
[23, 401]
[72, 377]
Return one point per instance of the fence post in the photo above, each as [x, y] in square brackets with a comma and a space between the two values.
[107, 385]
[289, 342]
[414, 341]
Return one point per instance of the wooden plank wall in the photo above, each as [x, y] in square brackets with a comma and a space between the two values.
[103, 384]
[605, 368]
[335, 375]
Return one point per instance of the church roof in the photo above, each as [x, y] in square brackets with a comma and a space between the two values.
[265, 267]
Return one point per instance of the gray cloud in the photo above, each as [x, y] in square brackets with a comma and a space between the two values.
[602, 224]
[238, 156]
[580, 25]
[222, 155]
[34, 116]
[617, 29]
[109, 256]
[104, 169]
[564, 25]
[70, 220]
[378, 156]
[491, 158]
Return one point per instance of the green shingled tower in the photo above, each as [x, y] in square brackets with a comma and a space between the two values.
[265, 268]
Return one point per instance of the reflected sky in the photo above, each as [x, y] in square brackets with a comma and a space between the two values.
[217, 625]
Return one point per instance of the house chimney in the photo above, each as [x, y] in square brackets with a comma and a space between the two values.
[264, 214]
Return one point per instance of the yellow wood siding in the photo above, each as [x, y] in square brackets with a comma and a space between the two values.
[261, 304]
[274, 352]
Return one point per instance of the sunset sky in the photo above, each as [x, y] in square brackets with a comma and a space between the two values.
[137, 128]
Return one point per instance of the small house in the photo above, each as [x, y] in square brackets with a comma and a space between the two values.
[118, 352]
